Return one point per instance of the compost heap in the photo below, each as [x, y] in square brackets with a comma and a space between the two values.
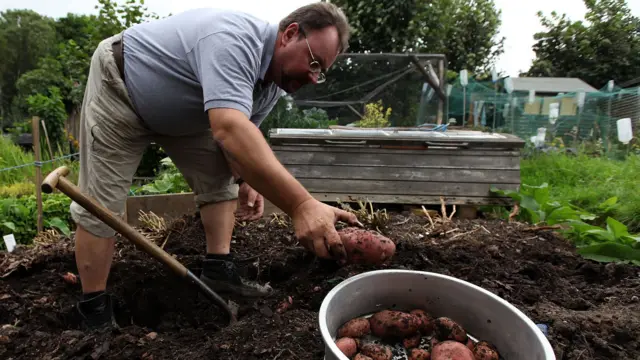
[592, 310]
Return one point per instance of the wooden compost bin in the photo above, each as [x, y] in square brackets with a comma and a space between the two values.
[401, 166]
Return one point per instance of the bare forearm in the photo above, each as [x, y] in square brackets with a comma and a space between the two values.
[254, 161]
[233, 165]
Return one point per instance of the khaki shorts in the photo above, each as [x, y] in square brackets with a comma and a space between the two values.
[113, 139]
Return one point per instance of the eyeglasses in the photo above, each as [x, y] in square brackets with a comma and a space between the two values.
[315, 65]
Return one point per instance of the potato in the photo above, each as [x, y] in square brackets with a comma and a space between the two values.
[411, 342]
[360, 356]
[451, 350]
[419, 354]
[426, 321]
[377, 351]
[447, 329]
[471, 345]
[485, 351]
[394, 324]
[355, 328]
[366, 247]
[434, 342]
[347, 345]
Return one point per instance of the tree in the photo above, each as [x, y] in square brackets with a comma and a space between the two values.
[464, 31]
[51, 85]
[603, 47]
[25, 36]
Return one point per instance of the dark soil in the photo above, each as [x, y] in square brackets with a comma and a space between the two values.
[592, 309]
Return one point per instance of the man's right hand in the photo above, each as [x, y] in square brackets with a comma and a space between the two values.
[255, 162]
[314, 224]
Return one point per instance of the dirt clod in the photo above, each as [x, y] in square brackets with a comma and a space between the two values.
[591, 309]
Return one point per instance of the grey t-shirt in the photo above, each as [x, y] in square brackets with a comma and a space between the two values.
[179, 67]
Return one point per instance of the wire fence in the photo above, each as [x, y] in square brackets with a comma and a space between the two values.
[38, 163]
[571, 117]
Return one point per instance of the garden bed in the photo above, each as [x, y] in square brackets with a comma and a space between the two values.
[592, 309]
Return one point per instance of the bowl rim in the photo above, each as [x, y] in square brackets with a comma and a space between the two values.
[328, 339]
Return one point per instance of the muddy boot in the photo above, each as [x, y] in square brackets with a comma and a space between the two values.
[96, 310]
[220, 274]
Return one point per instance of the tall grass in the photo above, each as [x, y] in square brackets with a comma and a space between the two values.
[12, 155]
[587, 181]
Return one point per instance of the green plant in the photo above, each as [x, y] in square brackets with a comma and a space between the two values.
[286, 115]
[50, 108]
[12, 155]
[17, 190]
[587, 182]
[375, 116]
[170, 180]
[19, 216]
[536, 207]
[612, 243]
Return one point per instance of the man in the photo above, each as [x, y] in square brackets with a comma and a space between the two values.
[199, 83]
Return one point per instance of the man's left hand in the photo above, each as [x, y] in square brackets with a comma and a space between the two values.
[250, 204]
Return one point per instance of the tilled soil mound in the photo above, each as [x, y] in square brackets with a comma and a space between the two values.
[592, 310]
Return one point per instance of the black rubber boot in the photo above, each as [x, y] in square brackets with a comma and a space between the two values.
[97, 311]
[221, 275]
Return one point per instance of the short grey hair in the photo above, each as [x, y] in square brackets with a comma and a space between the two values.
[317, 16]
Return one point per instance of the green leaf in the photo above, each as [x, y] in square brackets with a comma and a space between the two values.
[601, 235]
[59, 224]
[539, 193]
[610, 252]
[617, 228]
[9, 225]
[561, 215]
[608, 204]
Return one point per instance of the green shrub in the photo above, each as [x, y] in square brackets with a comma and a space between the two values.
[17, 190]
[20, 216]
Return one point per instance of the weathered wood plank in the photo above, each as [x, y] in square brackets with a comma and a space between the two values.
[398, 158]
[407, 199]
[171, 206]
[374, 173]
[401, 187]
[167, 206]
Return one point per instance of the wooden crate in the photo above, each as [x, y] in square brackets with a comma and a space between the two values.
[401, 166]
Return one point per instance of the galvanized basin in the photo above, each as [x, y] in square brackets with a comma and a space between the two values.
[482, 314]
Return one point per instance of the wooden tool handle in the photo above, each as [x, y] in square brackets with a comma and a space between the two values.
[56, 179]
[51, 181]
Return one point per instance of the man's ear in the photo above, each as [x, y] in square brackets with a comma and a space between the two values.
[291, 33]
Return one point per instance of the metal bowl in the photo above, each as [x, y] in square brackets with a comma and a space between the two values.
[482, 314]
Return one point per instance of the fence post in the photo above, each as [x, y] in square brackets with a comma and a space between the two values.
[35, 129]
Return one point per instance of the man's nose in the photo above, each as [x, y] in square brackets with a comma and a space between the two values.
[313, 77]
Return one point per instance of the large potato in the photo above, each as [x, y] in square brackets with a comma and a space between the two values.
[355, 328]
[451, 350]
[366, 247]
[377, 351]
[394, 324]
[447, 329]
[347, 345]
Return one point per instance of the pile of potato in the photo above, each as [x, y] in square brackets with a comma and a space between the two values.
[449, 341]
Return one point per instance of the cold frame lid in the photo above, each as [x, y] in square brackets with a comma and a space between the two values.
[412, 137]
